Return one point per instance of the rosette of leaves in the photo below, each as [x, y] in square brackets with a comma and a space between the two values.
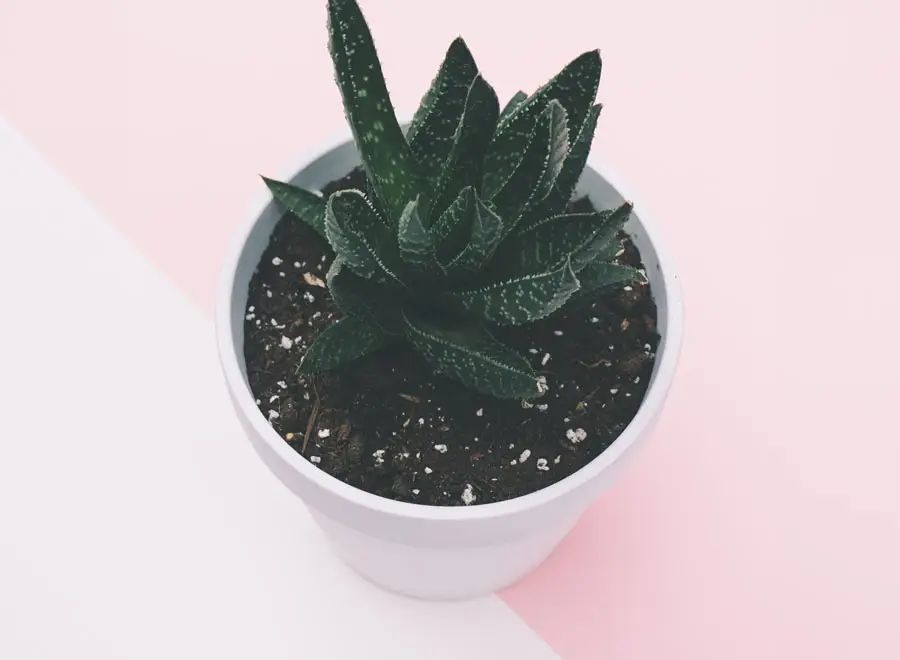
[463, 223]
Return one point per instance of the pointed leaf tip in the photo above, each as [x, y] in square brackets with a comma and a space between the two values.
[345, 340]
[383, 148]
[305, 204]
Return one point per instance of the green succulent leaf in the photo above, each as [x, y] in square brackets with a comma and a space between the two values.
[512, 104]
[538, 169]
[364, 299]
[550, 241]
[575, 87]
[360, 238]
[572, 168]
[431, 132]
[383, 149]
[307, 205]
[487, 232]
[416, 241]
[600, 275]
[453, 225]
[463, 167]
[521, 299]
[472, 356]
[345, 340]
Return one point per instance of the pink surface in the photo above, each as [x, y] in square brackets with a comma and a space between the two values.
[764, 520]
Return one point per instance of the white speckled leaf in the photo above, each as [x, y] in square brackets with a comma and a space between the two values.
[346, 340]
[365, 299]
[520, 299]
[564, 187]
[548, 242]
[487, 232]
[517, 99]
[599, 275]
[452, 227]
[575, 87]
[415, 240]
[383, 149]
[539, 166]
[307, 205]
[360, 238]
[463, 166]
[434, 124]
[471, 355]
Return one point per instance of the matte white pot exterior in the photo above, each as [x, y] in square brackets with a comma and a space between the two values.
[426, 551]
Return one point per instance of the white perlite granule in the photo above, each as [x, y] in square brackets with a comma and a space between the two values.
[524, 455]
[324, 433]
[286, 342]
[542, 464]
[441, 448]
[468, 496]
[576, 435]
[277, 261]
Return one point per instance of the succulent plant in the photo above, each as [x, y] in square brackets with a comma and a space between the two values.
[463, 224]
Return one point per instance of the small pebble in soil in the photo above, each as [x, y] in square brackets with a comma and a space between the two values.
[276, 261]
[468, 496]
[614, 390]
[315, 459]
[441, 448]
[428, 470]
[479, 412]
[324, 433]
[576, 435]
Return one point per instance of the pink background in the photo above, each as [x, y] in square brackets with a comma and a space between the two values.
[764, 520]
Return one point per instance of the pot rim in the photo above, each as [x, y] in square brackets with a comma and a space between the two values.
[667, 362]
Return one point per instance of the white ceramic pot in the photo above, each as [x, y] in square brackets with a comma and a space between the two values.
[432, 552]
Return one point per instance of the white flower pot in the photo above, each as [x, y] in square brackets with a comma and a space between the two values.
[424, 551]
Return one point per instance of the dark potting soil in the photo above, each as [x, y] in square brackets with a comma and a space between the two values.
[390, 426]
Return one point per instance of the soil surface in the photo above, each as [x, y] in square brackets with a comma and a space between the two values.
[390, 426]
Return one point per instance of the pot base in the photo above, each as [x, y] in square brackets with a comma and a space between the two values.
[440, 574]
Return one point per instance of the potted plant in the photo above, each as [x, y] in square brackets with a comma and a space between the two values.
[447, 336]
